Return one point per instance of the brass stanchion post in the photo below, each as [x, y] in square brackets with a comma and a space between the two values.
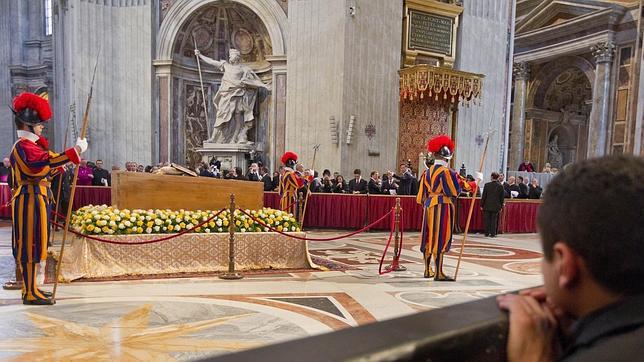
[231, 274]
[395, 264]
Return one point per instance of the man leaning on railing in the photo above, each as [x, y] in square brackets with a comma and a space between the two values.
[591, 307]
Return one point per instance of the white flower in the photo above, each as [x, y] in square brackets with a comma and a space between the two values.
[127, 223]
[189, 226]
[148, 230]
[218, 222]
[165, 228]
[148, 218]
[133, 219]
[292, 228]
[158, 222]
[220, 229]
[112, 223]
[156, 229]
[121, 226]
[207, 230]
[242, 230]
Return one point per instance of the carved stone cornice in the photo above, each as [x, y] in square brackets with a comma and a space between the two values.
[604, 52]
[521, 71]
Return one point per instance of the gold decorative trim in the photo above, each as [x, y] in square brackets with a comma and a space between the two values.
[442, 84]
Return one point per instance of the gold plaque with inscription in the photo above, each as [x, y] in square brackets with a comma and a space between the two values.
[430, 29]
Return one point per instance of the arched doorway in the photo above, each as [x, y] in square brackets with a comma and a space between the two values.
[560, 106]
[256, 29]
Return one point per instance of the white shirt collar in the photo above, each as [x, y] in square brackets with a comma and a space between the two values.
[28, 135]
[440, 162]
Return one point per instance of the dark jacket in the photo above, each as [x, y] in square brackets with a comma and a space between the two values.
[613, 333]
[276, 182]
[405, 183]
[388, 185]
[523, 191]
[252, 176]
[100, 174]
[493, 197]
[268, 182]
[373, 187]
[327, 186]
[360, 187]
[534, 192]
[340, 188]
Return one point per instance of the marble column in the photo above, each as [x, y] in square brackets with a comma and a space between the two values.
[276, 136]
[521, 73]
[602, 89]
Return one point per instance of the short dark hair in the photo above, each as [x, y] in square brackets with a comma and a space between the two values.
[373, 173]
[265, 169]
[600, 219]
[520, 178]
[495, 175]
[357, 171]
[326, 172]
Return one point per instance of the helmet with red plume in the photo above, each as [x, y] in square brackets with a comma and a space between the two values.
[441, 146]
[289, 159]
[31, 109]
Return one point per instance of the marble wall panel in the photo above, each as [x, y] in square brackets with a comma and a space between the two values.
[483, 47]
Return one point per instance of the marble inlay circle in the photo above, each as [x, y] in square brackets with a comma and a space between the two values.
[483, 251]
[175, 328]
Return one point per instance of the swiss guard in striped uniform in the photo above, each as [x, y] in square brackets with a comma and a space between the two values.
[290, 183]
[438, 184]
[33, 166]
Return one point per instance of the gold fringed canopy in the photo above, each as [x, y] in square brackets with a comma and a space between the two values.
[439, 84]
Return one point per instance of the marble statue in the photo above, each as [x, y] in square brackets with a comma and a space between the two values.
[554, 154]
[234, 100]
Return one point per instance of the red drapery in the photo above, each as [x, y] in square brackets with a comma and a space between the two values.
[342, 211]
[85, 195]
[353, 211]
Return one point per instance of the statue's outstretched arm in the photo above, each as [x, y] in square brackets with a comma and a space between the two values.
[208, 60]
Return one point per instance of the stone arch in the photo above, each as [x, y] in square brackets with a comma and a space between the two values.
[268, 11]
[178, 81]
[542, 80]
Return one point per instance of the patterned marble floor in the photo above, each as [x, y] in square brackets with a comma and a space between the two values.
[183, 319]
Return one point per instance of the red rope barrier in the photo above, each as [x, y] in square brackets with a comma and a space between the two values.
[142, 242]
[391, 233]
[316, 239]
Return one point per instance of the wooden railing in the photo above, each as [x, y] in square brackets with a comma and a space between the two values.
[474, 331]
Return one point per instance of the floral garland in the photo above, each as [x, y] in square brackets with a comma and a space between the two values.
[109, 220]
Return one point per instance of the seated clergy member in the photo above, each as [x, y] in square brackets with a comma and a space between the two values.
[591, 231]
[357, 185]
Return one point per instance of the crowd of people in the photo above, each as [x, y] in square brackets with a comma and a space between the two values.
[404, 182]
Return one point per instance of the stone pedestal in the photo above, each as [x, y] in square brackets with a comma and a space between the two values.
[230, 155]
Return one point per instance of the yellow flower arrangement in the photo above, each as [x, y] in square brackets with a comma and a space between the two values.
[109, 220]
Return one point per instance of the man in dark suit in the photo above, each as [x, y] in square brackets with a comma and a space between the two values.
[491, 203]
[523, 188]
[357, 185]
[405, 180]
[276, 178]
[253, 172]
[266, 179]
[374, 186]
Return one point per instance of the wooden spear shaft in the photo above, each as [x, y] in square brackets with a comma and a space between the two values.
[203, 92]
[60, 185]
[469, 214]
[308, 188]
[68, 215]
